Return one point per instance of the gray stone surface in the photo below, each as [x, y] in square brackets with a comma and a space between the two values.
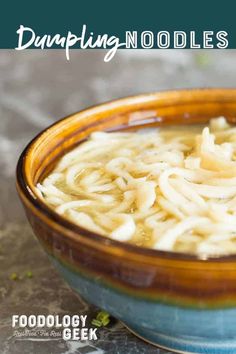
[36, 89]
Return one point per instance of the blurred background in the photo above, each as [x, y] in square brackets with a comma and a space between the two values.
[36, 89]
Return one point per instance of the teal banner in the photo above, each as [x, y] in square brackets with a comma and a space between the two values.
[118, 24]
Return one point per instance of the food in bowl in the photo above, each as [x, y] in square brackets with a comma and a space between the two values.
[180, 301]
[170, 188]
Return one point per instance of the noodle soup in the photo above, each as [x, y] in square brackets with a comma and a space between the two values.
[171, 189]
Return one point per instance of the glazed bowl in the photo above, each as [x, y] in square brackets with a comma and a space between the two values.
[176, 301]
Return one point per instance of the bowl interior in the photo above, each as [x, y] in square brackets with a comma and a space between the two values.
[170, 107]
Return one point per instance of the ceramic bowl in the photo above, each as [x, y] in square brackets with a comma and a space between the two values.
[176, 301]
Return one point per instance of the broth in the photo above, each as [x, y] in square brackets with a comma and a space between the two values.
[170, 188]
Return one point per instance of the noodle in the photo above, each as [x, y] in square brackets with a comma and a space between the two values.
[171, 189]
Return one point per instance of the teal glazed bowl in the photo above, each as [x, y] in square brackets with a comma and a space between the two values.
[176, 301]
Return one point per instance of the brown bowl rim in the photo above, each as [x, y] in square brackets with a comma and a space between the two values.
[65, 224]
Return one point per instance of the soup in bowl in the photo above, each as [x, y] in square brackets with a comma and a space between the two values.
[171, 189]
[133, 200]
